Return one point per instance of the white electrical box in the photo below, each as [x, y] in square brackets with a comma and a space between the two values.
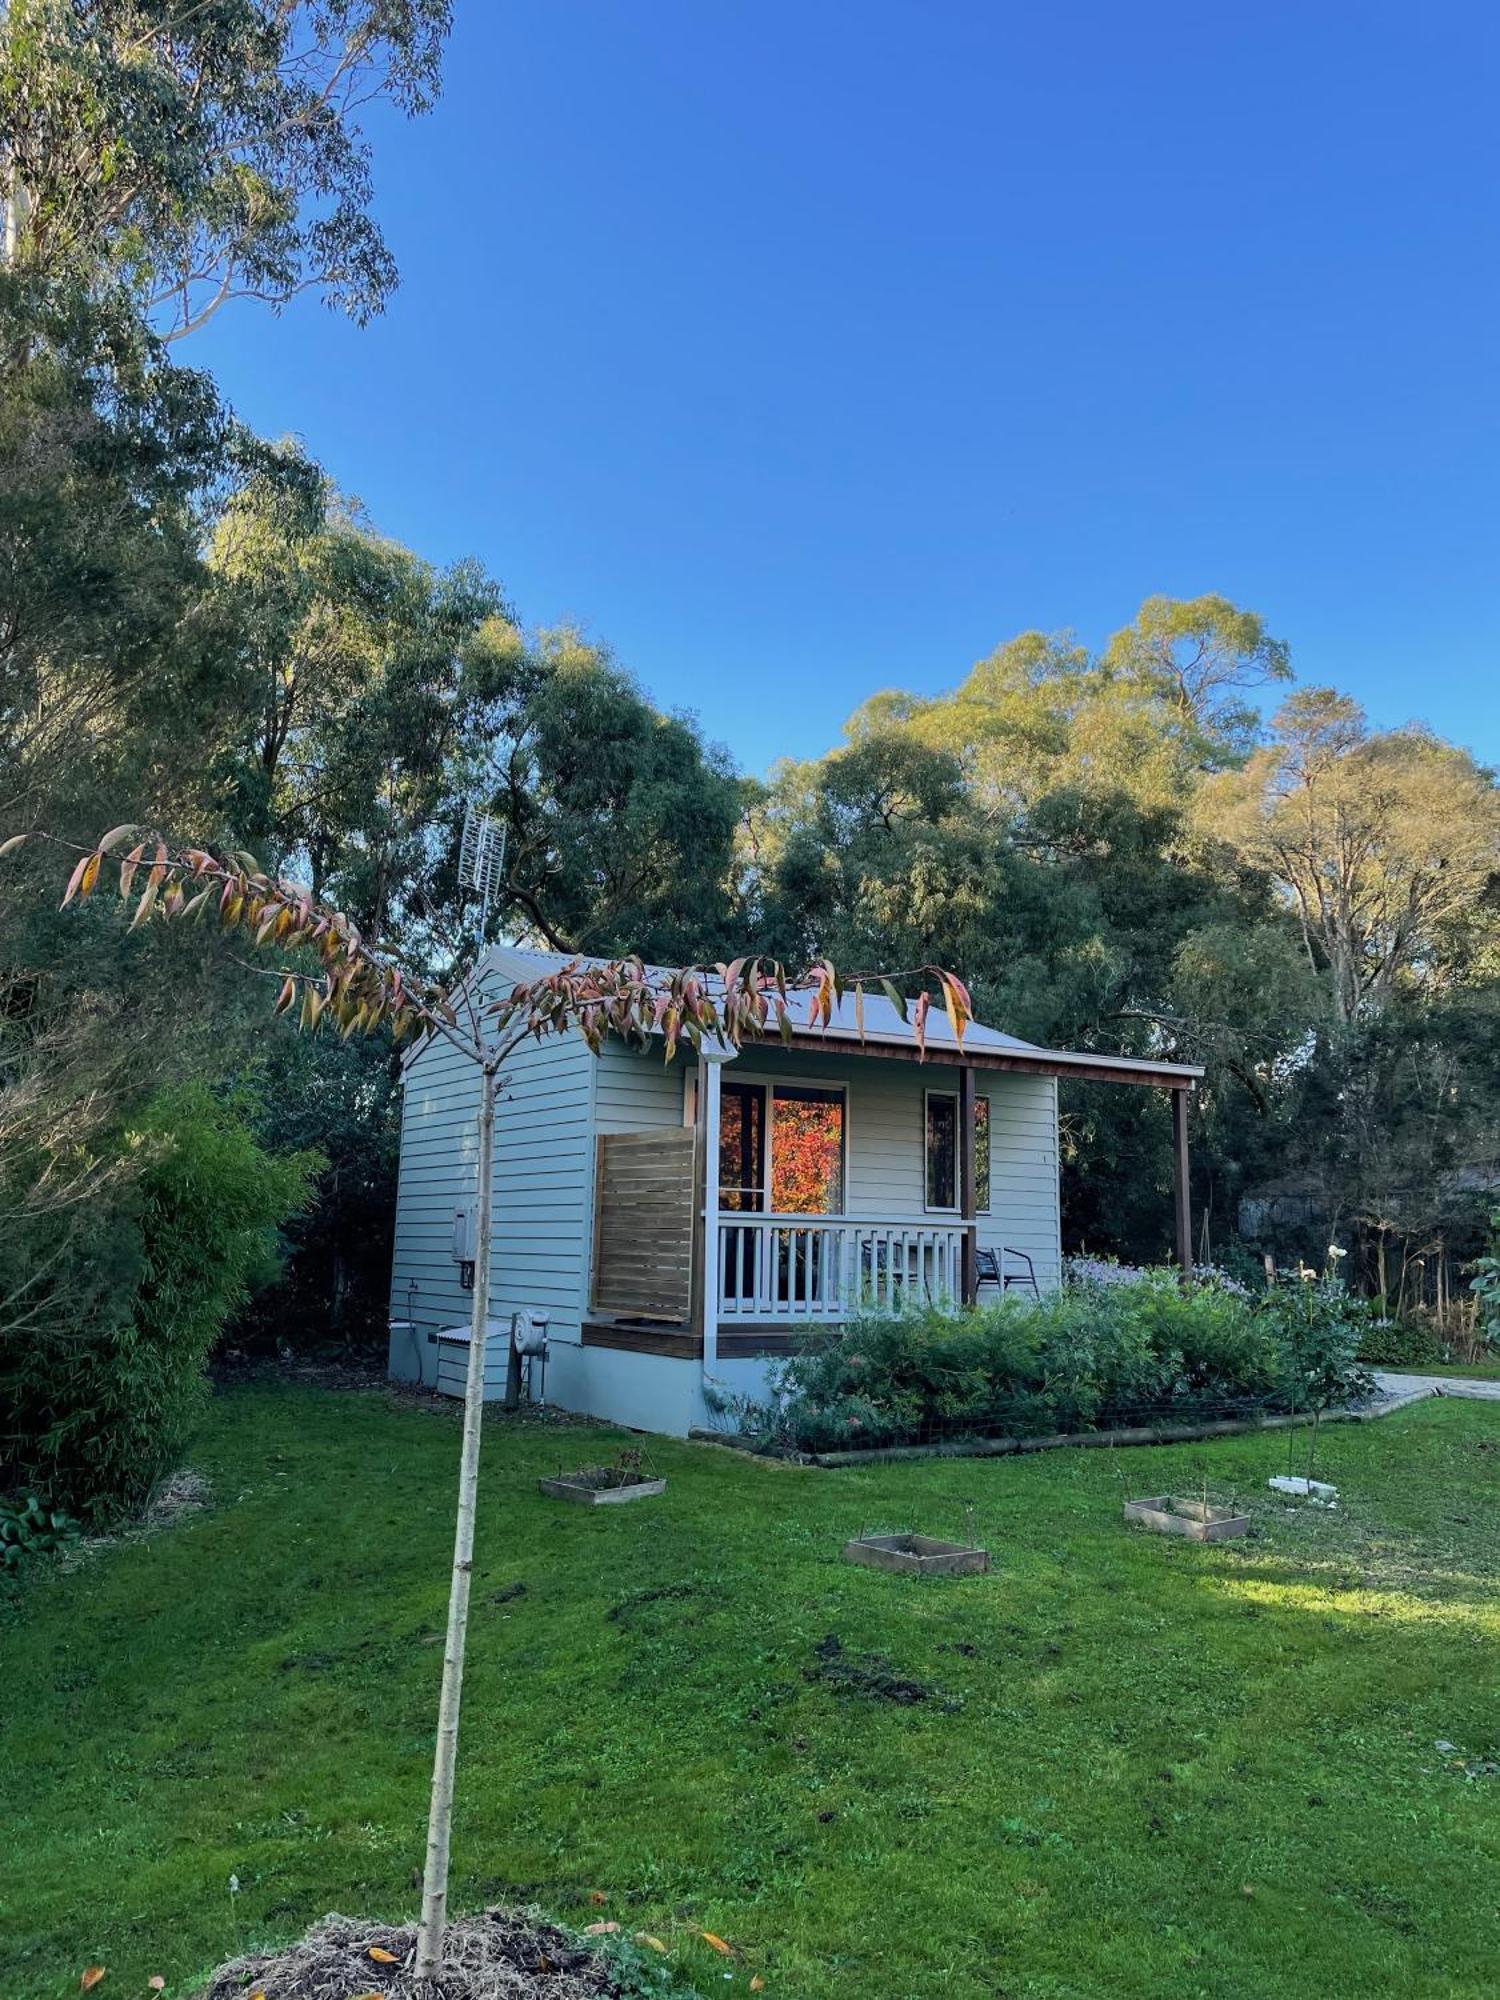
[463, 1235]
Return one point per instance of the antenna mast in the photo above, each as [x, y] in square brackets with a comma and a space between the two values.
[481, 859]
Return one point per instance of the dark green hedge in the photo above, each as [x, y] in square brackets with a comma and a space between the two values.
[100, 1386]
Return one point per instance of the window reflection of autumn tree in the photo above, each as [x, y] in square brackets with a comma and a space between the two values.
[807, 1152]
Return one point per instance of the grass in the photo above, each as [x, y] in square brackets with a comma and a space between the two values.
[1143, 1767]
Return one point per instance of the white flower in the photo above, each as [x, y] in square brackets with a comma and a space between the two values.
[1334, 1251]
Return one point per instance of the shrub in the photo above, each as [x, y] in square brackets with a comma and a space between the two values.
[101, 1408]
[1321, 1327]
[342, 1098]
[894, 1379]
[1080, 1270]
[1094, 1355]
[1400, 1343]
[28, 1529]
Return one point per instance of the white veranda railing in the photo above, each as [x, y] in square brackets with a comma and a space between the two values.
[826, 1267]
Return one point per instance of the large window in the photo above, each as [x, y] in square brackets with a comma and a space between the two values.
[942, 1151]
[781, 1147]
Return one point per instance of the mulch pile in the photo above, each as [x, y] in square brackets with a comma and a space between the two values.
[498, 1955]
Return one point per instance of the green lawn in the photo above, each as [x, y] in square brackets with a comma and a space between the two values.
[1144, 1768]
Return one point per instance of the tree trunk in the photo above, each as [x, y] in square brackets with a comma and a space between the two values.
[440, 1816]
[15, 223]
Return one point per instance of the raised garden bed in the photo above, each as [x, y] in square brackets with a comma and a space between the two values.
[598, 1486]
[630, 1477]
[1199, 1520]
[916, 1555]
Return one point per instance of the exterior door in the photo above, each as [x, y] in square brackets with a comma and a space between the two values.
[742, 1184]
[742, 1146]
[781, 1151]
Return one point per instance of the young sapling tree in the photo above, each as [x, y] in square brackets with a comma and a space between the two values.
[329, 976]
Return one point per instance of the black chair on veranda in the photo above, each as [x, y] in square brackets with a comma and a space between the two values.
[1007, 1269]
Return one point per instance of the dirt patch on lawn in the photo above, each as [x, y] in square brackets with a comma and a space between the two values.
[498, 1955]
[870, 1675]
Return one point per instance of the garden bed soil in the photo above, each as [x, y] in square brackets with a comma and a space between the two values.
[916, 1555]
[1168, 1514]
[497, 1955]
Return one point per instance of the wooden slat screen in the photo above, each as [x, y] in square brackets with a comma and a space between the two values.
[643, 1224]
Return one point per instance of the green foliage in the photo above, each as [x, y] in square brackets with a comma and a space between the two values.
[192, 155]
[340, 1100]
[29, 1528]
[1117, 855]
[1197, 659]
[1094, 1355]
[1485, 1284]
[1321, 1327]
[1385, 841]
[1400, 1343]
[361, 668]
[140, 682]
[101, 1406]
[621, 821]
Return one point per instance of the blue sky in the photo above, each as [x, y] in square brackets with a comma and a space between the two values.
[800, 350]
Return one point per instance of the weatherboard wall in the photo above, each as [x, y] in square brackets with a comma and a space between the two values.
[543, 1155]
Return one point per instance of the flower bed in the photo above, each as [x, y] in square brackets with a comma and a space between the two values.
[1095, 1356]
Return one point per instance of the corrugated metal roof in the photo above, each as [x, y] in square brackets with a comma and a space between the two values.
[882, 1021]
[883, 1024]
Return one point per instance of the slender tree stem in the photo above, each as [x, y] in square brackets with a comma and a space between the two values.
[440, 1817]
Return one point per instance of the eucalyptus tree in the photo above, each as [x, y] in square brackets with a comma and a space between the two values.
[1198, 659]
[190, 155]
[1168, 698]
[363, 675]
[1386, 845]
[620, 820]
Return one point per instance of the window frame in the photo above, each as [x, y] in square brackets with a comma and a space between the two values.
[956, 1206]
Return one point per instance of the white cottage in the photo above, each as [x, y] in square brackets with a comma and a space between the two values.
[847, 1176]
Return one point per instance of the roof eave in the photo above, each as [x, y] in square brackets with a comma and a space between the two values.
[1034, 1062]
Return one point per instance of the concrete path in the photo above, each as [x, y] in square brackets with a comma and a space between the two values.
[1412, 1388]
